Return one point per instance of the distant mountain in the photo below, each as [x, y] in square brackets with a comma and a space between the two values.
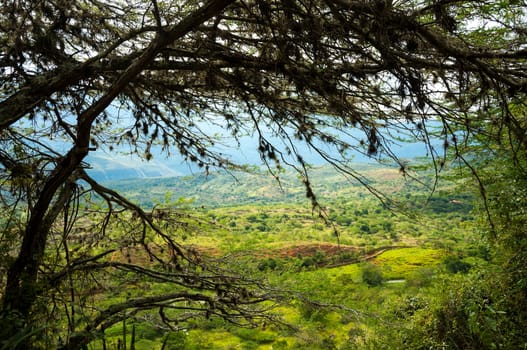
[115, 167]
[108, 166]
[223, 188]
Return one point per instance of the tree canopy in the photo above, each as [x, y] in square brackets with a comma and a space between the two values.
[96, 75]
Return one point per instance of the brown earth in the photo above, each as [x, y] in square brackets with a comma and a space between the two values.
[306, 249]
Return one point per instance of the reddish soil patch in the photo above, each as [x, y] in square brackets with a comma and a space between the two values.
[286, 251]
[310, 249]
[138, 256]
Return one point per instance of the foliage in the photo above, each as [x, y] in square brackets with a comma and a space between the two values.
[483, 307]
[372, 275]
[96, 76]
[471, 314]
[487, 310]
[455, 264]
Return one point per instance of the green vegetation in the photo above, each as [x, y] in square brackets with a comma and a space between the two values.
[372, 275]
[341, 291]
[346, 256]
[420, 276]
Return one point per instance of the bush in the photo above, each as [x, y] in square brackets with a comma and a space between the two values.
[312, 312]
[267, 264]
[365, 228]
[454, 264]
[372, 275]
[421, 277]
[308, 262]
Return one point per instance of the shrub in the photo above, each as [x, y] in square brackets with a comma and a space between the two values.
[312, 312]
[372, 275]
[365, 228]
[267, 264]
[454, 264]
[421, 277]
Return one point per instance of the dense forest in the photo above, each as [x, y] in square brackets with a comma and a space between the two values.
[275, 251]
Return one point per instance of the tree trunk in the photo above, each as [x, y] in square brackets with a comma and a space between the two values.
[23, 286]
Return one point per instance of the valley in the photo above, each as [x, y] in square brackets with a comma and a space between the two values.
[367, 269]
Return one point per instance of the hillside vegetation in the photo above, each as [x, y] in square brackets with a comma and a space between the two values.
[369, 268]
